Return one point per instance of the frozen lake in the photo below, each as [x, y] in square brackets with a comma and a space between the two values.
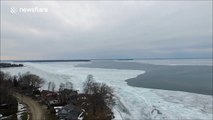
[177, 75]
[132, 102]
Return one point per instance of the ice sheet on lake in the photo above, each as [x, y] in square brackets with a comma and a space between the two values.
[174, 62]
[133, 102]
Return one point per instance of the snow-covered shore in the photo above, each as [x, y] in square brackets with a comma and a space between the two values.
[133, 102]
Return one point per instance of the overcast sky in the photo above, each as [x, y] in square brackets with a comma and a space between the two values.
[113, 29]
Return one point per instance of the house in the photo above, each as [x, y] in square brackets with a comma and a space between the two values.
[83, 96]
[69, 112]
[49, 97]
[68, 96]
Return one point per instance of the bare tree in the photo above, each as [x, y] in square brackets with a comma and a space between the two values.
[101, 96]
[15, 81]
[5, 78]
[37, 81]
[49, 86]
[53, 86]
[30, 80]
[88, 84]
[69, 85]
[61, 87]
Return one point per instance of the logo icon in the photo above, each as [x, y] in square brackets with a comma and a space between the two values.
[13, 10]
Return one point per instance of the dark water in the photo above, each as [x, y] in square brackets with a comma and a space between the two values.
[191, 78]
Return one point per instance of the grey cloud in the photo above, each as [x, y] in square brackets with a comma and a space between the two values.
[107, 30]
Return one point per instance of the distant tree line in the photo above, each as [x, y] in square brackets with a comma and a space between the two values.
[5, 65]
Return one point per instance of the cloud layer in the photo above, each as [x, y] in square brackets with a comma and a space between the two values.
[107, 29]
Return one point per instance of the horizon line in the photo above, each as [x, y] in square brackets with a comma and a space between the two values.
[89, 59]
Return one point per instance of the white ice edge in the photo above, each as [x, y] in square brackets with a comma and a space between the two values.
[133, 102]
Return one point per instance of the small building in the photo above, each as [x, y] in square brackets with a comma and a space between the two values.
[68, 96]
[49, 97]
[69, 112]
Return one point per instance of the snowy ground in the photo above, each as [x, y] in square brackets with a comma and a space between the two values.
[21, 109]
[133, 102]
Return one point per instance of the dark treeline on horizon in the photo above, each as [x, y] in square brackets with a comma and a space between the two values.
[52, 60]
[6, 65]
